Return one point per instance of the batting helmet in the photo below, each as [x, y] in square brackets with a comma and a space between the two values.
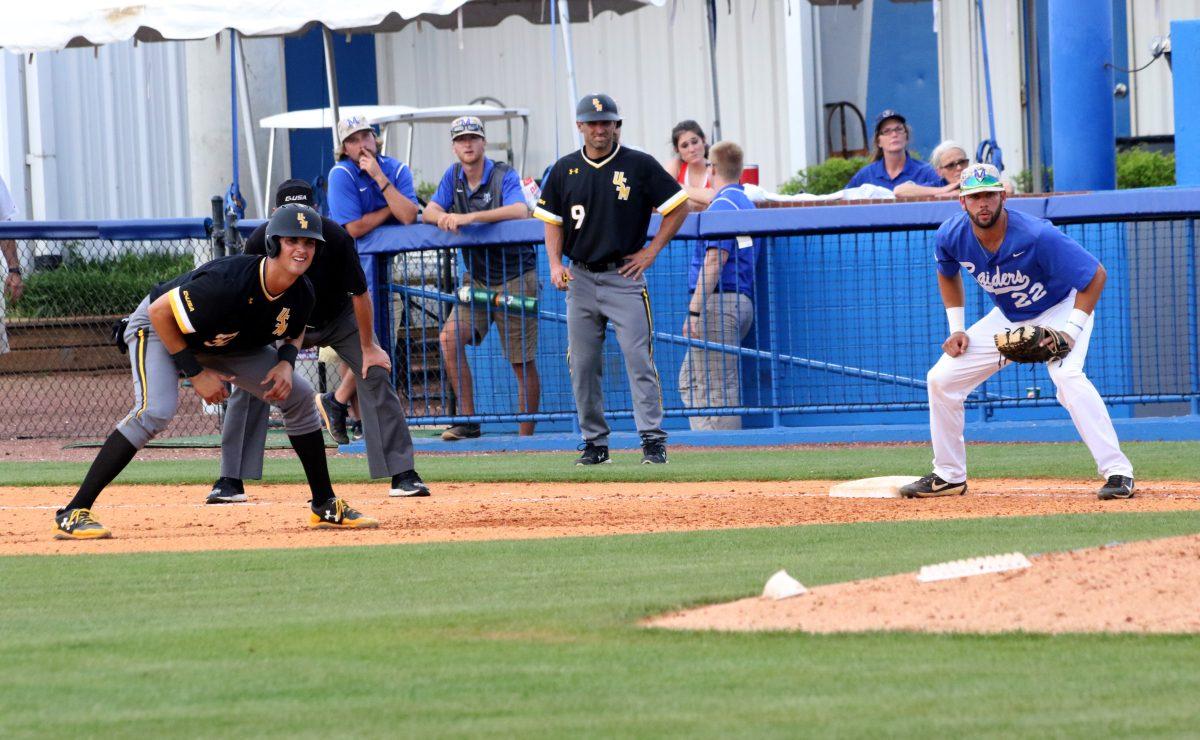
[294, 220]
[596, 107]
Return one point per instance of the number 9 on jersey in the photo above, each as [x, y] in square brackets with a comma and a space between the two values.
[577, 215]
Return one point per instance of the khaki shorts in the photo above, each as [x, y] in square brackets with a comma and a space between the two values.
[518, 331]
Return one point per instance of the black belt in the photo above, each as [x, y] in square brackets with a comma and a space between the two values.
[598, 266]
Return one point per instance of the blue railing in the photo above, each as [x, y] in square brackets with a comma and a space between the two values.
[847, 316]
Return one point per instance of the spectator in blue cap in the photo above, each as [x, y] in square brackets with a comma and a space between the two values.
[892, 165]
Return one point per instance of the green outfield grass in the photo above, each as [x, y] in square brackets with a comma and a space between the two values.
[539, 638]
[1151, 460]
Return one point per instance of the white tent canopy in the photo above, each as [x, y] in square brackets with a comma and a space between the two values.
[29, 27]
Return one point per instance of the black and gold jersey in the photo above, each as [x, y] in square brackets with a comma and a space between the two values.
[223, 306]
[604, 206]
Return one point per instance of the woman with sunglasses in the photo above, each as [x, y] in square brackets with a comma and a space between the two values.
[949, 159]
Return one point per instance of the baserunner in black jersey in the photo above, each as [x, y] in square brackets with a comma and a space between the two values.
[214, 325]
[596, 204]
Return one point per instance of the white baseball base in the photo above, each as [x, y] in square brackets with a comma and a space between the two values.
[884, 486]
[782, 586]
[973, 567]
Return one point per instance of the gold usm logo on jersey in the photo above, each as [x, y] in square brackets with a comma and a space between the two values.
[622, 186]
[597, 105]
[300, 217]
[281, 322]
[221, 340]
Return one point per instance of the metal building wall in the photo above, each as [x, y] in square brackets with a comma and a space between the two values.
[654, 62]
[108, 132]
[960, 63]
[1152, 109]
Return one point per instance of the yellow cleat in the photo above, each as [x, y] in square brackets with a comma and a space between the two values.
[337, 514]
[78, 524]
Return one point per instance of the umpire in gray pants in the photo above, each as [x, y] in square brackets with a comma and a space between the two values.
[596, 204]
[341, 319]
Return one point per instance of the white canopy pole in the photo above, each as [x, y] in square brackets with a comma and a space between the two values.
[331, 82]
[248, 125]
[564, 16]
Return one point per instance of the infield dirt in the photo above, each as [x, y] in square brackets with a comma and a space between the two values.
[174, 517]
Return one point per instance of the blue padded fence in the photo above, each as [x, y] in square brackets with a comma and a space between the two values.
[846, 320]
[847, 317]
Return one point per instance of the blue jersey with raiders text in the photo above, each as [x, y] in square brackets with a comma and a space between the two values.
[1035, 267]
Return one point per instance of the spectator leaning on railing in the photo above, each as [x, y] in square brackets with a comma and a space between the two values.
[366, 189]
[948, 160]
[13, 287]
[689, 166]
[892, 165]
[479, 190]
[721, 283]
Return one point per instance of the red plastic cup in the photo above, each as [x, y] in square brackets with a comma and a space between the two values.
[750, 174]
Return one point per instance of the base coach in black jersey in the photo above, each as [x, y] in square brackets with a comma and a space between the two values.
[341, 319]
[596, 204]
[214, 325]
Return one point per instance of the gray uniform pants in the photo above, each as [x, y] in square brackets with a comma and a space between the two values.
[711, 377]
[389, 444]
[156, 382]
[593, 300]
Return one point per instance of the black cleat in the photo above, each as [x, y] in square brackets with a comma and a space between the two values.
[226, 491]
[1118, 486]
[78, 524]
[931, 486]
[334, 415]
[461, 431]
[592, 454]
[654, 452]
[409, 485]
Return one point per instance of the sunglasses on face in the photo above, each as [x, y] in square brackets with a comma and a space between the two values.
[956, 164]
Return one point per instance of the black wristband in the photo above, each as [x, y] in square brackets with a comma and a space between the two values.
[386, 185]
[694, 313]
[287, 353]
[187, 363]
[14, 271]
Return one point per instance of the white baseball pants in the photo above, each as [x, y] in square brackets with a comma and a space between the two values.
[952, 379]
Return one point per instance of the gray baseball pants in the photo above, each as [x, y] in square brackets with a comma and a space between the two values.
[593, 300]
[156, 382]
[711, 377]
[385, 428]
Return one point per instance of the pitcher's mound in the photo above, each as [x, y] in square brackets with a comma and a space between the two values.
[1134, 587]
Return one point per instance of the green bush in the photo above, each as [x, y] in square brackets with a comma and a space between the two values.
[426, 189]
[114, 285]
[1139, 168]
[821, 179]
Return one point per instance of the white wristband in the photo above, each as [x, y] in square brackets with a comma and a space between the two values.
[1075, 323]
[957, 317]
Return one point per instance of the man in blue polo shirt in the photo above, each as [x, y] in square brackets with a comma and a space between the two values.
[721, 308]
[477, 190]
[892, 165]
[367, 190]
[1035, 275]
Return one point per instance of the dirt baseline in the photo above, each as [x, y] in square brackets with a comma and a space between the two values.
[1134, 587]
[174, 518]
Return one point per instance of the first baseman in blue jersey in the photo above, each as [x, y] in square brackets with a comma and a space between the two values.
[1035, 275]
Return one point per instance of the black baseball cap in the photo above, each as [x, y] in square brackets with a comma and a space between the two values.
[888, 114]
[294, 191]
[596, 107]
